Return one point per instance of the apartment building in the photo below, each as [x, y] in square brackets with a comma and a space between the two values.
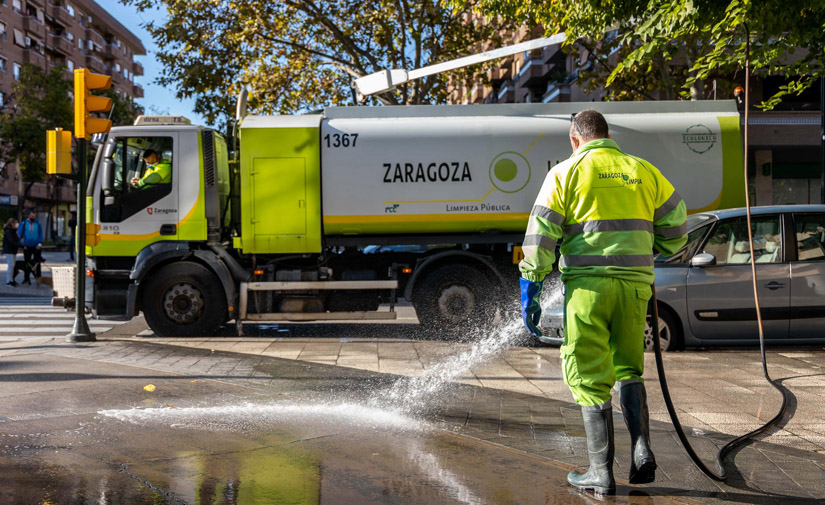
[784, 154]
[74, 33]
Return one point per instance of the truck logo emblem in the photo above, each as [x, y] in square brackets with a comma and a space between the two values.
[149, 210]
[510, 172]
[699, 138]
[391, 209]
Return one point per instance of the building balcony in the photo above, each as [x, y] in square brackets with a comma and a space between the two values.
[533, 73]
[60, 44]
[34, 27]
[95, 36]
[108, 52]
[33, 56]
[60, 15]
[507, 93]
[556, 92]
[137, 68]
[138, 91]
[499, 74]
[95, 64]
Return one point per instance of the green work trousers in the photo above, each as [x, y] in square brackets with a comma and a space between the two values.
[604, 326]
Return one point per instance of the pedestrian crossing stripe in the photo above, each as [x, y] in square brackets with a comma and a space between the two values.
[37, 301]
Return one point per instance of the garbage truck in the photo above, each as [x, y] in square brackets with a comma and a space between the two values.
[338, 214]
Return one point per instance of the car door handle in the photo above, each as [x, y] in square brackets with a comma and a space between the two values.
[774, 285]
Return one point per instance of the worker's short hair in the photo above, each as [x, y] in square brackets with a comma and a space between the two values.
[149, 152]
[588, 124]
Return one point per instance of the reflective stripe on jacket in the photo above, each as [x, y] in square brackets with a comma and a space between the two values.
[611, 208]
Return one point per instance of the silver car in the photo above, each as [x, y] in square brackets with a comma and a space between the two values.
[705, 290]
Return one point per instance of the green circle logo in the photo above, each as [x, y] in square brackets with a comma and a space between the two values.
[505, 169]
[510, 172]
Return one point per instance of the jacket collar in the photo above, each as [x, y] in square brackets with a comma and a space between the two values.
[598, 144]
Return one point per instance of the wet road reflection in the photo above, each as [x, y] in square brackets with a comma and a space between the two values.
[275, 454]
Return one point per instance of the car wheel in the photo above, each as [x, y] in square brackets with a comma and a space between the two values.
[669, 335]
[184, 300]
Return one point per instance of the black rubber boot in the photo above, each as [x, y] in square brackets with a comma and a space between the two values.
[598, 425]
[634, 408]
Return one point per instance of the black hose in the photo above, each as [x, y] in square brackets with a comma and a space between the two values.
[677, 426]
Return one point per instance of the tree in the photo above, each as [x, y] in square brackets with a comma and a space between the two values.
[707, 38]
[299, 55]
[39, 101]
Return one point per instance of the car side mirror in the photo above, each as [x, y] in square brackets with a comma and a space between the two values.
[703, 260]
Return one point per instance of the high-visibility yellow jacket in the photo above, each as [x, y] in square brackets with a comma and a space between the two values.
[159, 173]
[611, 208]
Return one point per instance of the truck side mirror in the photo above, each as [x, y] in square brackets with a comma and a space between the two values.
[703, 260]
[108, 180]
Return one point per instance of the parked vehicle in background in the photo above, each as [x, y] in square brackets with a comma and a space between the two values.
[705, 290]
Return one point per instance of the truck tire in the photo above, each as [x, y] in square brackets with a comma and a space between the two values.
[455, 301]
[184, 300]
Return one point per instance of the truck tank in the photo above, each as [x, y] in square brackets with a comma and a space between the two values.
[456, 169]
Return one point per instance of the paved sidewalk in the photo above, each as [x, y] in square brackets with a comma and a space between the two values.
[490, 407]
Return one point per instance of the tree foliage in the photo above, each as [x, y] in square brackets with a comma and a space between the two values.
[706, 38]
[39, 101]
[297, 55]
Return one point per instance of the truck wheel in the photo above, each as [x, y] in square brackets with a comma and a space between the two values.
[184, 300]
[454, 301]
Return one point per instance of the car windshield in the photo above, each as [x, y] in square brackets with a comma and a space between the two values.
[698, 226]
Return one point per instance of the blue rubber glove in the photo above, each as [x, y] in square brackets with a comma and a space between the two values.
[530, 306]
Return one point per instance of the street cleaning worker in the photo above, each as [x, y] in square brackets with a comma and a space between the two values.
[612, 209]
[158, 171]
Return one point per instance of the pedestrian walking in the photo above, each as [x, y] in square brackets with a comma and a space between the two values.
[612, 209]
[11, 244]
[72, 240]
[31, 238]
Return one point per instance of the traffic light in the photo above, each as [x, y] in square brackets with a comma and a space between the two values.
[85, 102]
[59, 151]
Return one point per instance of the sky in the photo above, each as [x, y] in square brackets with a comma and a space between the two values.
[157, 99]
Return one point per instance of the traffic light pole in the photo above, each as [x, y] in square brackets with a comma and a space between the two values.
[80, 330]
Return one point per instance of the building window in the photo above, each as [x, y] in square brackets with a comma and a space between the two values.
[70, 65]
[16, 71]
[69, 36]
[3, 30]
[17, 5]
[80, 44]
[70, 9]
[2, 99]
[117, 67]
[3, 65]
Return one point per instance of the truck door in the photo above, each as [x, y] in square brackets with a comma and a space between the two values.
[136, 202]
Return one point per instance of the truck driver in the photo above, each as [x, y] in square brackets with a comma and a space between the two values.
[158, 171]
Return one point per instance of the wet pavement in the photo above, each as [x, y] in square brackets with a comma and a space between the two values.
[81, 431]
[223, 427]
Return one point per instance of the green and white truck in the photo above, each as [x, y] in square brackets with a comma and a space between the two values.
[277, 229]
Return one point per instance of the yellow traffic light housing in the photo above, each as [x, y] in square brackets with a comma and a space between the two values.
[85, 103]
[58, 151]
